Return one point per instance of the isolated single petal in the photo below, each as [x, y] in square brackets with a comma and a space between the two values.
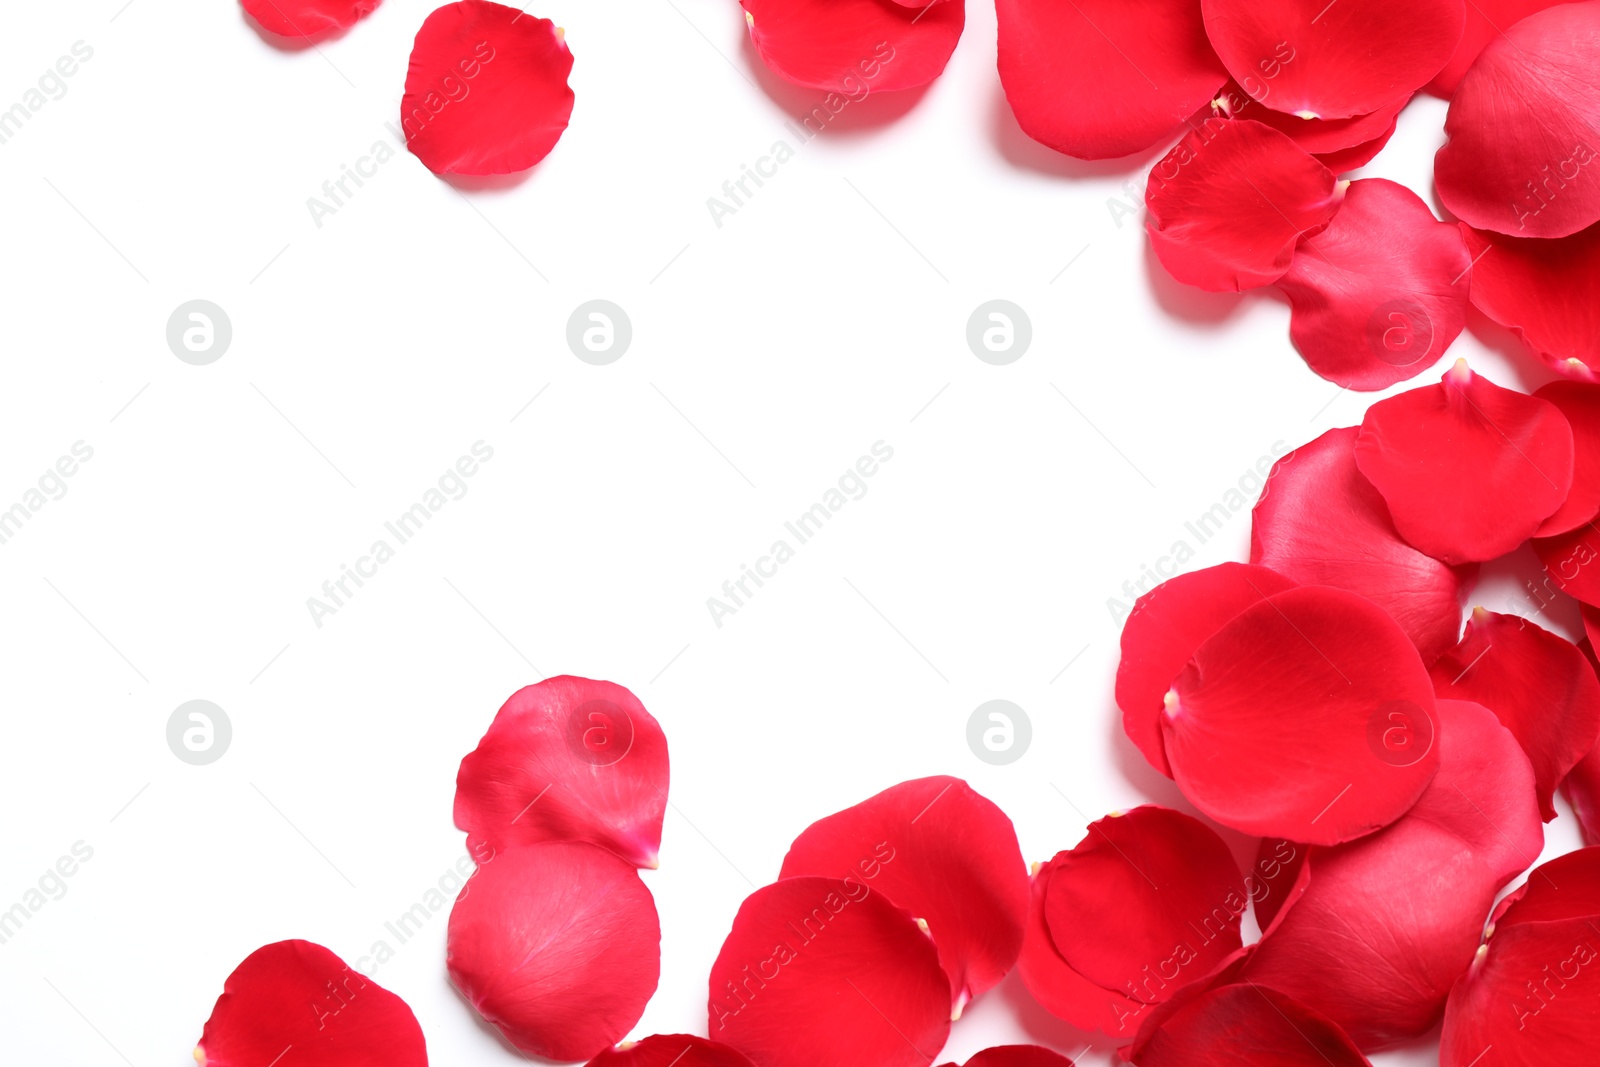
[307, 18]
[351, 1021]
[568, 759]
[820, 970]
[1382, 292]
[1275, 727]
[855, 47]
[1524, 128]
[1572, 561]
[1306, 57]
[665, 1050]
[1546, 292]
[1469, 470]
[945, 854]
[1486, 21]
[487, 90]
[1017, 1056]
[1227, 205]
[558, 946]
[1246, 1026]
[1580, 403]
[1539, 685]
[1320, 522]
[1098, 79]
[1165, 627]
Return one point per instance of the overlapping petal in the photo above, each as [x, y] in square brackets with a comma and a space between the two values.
[1547, 292]
[1572, 561]
[671, 1050]
[1317, 136]
[1487, 20]
[1237, 1025]
[1345, 160]
[1580, 403]
[851, 46]
[1016, 1056]
[307, 18]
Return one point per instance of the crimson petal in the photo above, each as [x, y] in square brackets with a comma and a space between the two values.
[307, 18]
[665, 1050]
[1382, 292]
[1580, 403]
[939, 850]
[487, 90]
[1098, 79]
[353, 1022]
[1572, 561]
[855, 47]
[1016, 1056]
[1345, 160]
[558, 946]
[1240, 1025]
[1317, 136]
[1546, 292]
[1487, 20]
[568, 759]
[1227, 205]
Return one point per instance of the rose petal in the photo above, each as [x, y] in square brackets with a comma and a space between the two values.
[1274, 727]
[1537, 684]
[558, 946]
[307, 18]
[1524, 125]
[1165, 627]
[1346, 160]
[1582, 786]
[665, 1050]
[816, 970]
[1567, 887]
[1353, 58]
[568, 759]
[1546, 292]
[943, 853]
[1320, 522]
[1317, 136]
[1469, 470]
[1016, 1056]
[1098, 79]
[1572, 562]
[1487, 20]
[1277, 876]
[1239, 1025]
[487, 91]
[1382, 292]
[851, 46]
[1580, 403]
[1227, 205]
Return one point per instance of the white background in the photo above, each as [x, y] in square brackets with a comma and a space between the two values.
[827, 314]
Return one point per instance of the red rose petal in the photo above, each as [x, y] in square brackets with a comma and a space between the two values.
[1346, 160]
[943, 853]
[1165, 627]
[1572, 562]
[1537, 684]
[1333, 62]
[1546, 292]
[855, 46]
[667, 1050]
[1098, 79]
[568, 759]
[1246, 1025]
[1382, 292]
[307, 18]
[1017, 1056]
[817, 970]
[1524, 127]
[1317, 136]
[1227, 205]
[1277, 878]
[1469, 470]
[558, 946]
[1567, 887]
[487, 91]
[1582, 790]
[1275, 727]
[1580, 403]
[352, 1021]
[1320, 522]
[1487, 20]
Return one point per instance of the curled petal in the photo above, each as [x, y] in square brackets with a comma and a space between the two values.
[1320, 522]
[1382, 292]
[1537, 684]
[1582, 787]
[820, 970]
[568, 759]
[1572, 561]
[1469, 470]
[1317, 136]
[1345, 160]
[1277, 725]
[1580, 403]
[667, 1050]
[1237, 1025]
[943, 853]
[352, 1021]
[1486, 21]
[1567, 887]
[1277, 878]
[1524, 128]
[1098, 79]
[487, 90]
[1546, 292]
[1303, 57]
[855, 46]
[307, 18]
[1017, 1056]
[1227, 205]
[1165, 627]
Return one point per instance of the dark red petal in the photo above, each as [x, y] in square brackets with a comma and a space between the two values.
[307, 18]
[1572, 562]
[1382, 292]
[818, 970]
[1580, 403]
[1017, 1056]
[1346, 160]
[1537, 684]
[351, 1021]
[1320, 522]
[1486, 21]
[1275, 727]
[1098, 79]
[1317, 136]
[1146, 895]
[1469, 470]
[1524, 125]
[1247, 1026]
[1582, 787]
[568, 759]
[487, 91]
[671, 1050]
[1353, 58]
[1227, 205]
[945, 854]
[1277, 876]
[558, 946]
[1165, 627]
[855, 47]
[1546, 292]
